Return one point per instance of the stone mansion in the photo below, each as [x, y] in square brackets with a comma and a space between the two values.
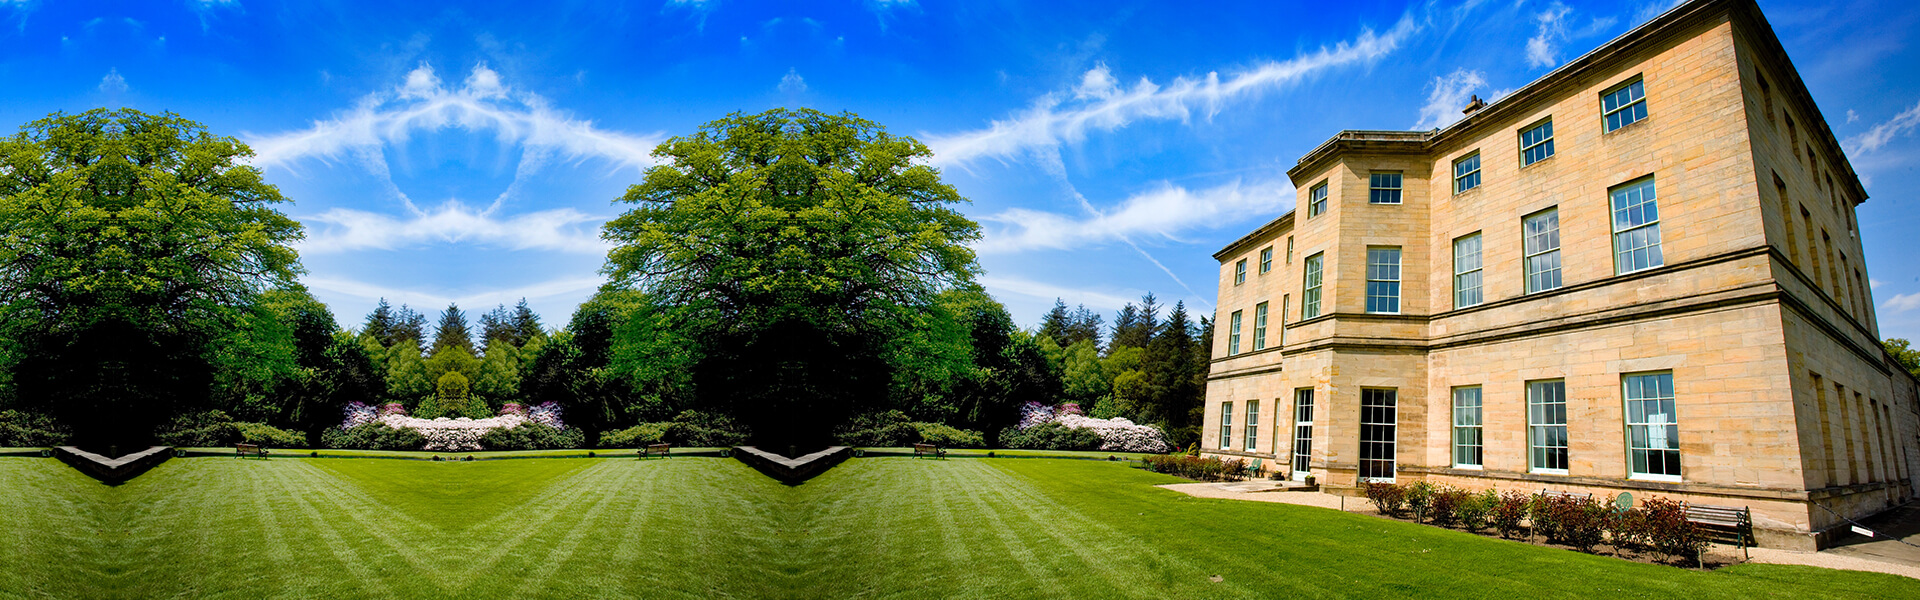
[1639, 273]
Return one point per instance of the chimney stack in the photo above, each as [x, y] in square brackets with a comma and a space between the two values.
[1475, 105]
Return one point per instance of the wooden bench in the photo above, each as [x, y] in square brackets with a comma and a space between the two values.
[656, 450]
[242, 450]
[1724, 524]
[920, 450]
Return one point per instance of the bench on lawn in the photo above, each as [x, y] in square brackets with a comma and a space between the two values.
[242, 450]
[920, 450]
[1724, 524]
[656, 450]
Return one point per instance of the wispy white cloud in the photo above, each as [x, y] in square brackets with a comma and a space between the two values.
[1543, 49]
[1448, 97]
[564, 230]
[1852, 116]
[1879, 135]
[113, 83]
[793, 83]
[481, 102]
[1874, 284]
[1166, 211]
[1900, 303]
[1047, 291]
[1099, 103]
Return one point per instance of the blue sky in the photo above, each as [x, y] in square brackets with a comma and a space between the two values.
[468, 152]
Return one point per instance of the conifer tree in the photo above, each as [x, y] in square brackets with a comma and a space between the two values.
[453, 331]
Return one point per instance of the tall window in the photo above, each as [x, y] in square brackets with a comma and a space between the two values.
[1466, 173]
[1467, 444]
[1536, 144]
[1385, 188]
[1226, 425]
[1317, 200]
[1289, 249]
[1541, 245]
[1286, 308]
[1786, 218]
[1266, 259]
[1636, 228]
[1466, 272]
[1260, 326]
[1766, 95]
[1310, 299]
[1378, 419]
[1547, 426]
[1302, 431]
[1233, 334]
[1383, 280]
[1653, 432]
[1624, 105]
[1240, 272]
[1252, 426]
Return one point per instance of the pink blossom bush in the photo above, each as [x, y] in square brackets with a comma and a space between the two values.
[392, 408]
[359, 413]
[1116, 434]
[513, 407]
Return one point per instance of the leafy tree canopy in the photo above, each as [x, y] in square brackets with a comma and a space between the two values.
[128, 243]
[793, 245]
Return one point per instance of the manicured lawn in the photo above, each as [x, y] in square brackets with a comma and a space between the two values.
[711, 527]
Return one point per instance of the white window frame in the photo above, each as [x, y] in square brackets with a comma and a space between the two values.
[1260, 326]
[1540, 426]
[1468, 280]
[1317, 200]
[1466, 181]
[1533, 256]
[1375, 191]
[1266, 259]
[1383, 280]
[1233, 334]
[1313, 277]
[1302, 447]
[1252, 427]
[1382, 418]
[1544, 143]
[1469, 416]
[1636, 226]
[1662, 396]
[1226, 425]
[1240, 272]
[1625, 110]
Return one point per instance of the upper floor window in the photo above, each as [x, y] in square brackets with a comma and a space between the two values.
[1260, 326]
[1289, 249]
[1317, 200]
[1233, 334]
[1383, 280]
[1636, 227]
[1266, 259]
[1240, 272]
[1310, 299]
[1766, 95]
[1466, 272]
[1536, 144]
[1541, 244]
[1385, 188]
[1625, 105]
[1466, 173]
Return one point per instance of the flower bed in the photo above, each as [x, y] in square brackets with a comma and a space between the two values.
[1116, 434]
[1658, 525]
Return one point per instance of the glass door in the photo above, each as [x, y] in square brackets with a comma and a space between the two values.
[1302, 433]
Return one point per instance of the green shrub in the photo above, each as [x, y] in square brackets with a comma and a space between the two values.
[25, 429]
[945, 436]
[268, 436]
[1475, 509]
[878, 430]
[705, 430]
[1446, 505]
[373, 436]
[1051, 436]
[1194, 467]
[200, 430]
[1420, 499]
[533, 436]
[429, 408]
[1508, 510]
[1630, 529]
[635, 436]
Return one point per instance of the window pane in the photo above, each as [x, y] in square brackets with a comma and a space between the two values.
[1378, 421]
[1547, 425]
[1536, 144]
[1541, 245]
[1252, 425]
[1260, 326]
[1466, 271]
[1385, 188]
[1302, 429]
[1467, 447]
[1233, 334]
[1226, 425]
[1653, 430]
[1625, 106]
[1636, 227]
[1383, 280]
[1466, 174]
[1310, 300]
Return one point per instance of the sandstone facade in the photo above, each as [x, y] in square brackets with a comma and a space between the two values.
[1756, 312]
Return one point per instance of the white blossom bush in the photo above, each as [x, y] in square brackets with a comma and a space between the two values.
[359, 414]
[1116, 434]
[453, 435]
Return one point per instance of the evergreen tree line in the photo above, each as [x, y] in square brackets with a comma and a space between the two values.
[1149, 369]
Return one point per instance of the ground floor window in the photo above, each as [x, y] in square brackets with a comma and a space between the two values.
[1302, 432]
[1547, 426]
[1252, 425]
[1226, 425]
[1653, 431]
[1467, 443]
[1379, 416]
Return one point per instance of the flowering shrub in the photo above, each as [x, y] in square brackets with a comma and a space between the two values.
[1669, 529]
[1475, 508]
[1116, 434]
[392, 408]
[546, 413]
[1388, 498]
[359, 413]
[452, 434]
[1420, 500]
[1508, 511]
[513, 407]
[1447, 504]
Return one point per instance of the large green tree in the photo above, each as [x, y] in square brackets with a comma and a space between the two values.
[793, 246]
[129, 242]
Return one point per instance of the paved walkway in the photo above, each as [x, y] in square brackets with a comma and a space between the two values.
[1856, 553]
